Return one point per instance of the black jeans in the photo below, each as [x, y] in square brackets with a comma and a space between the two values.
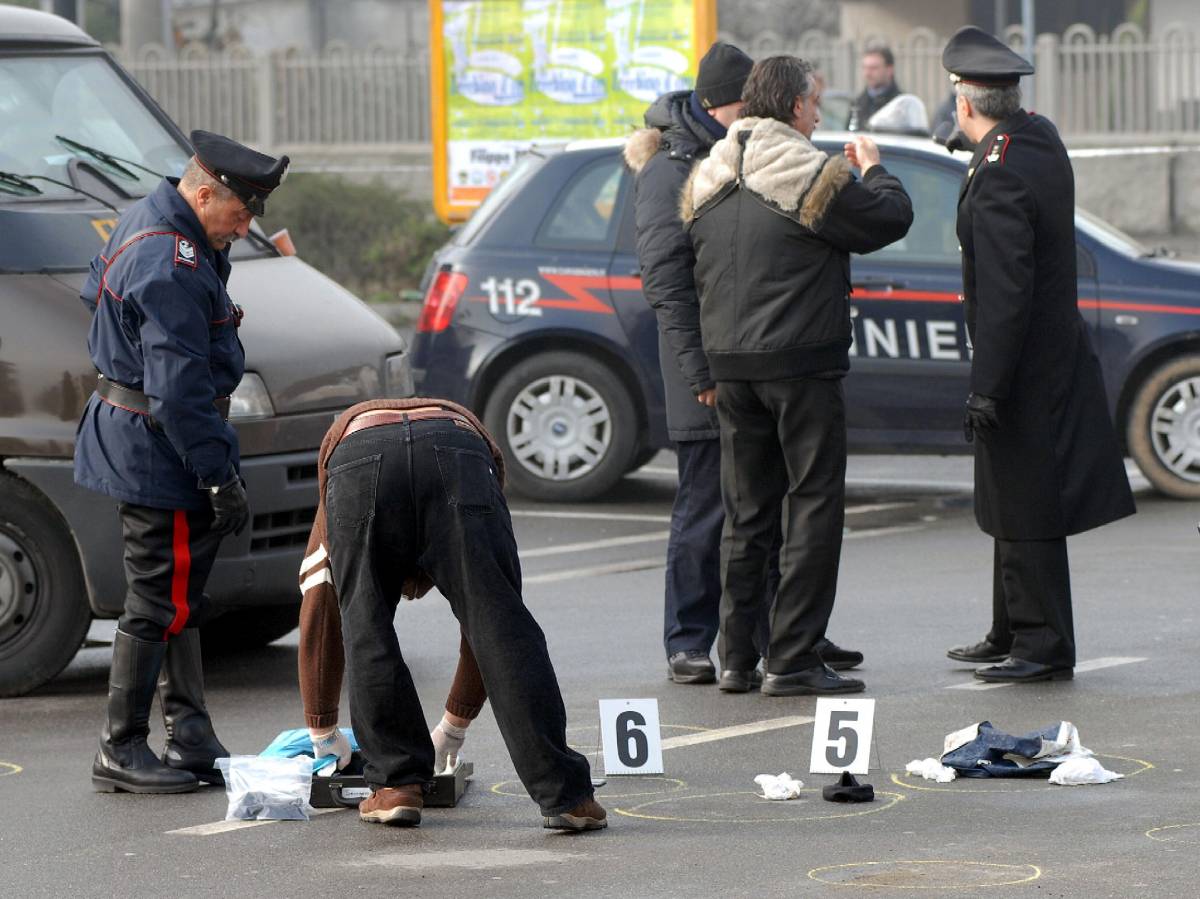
[691, 611]
[424, 494]
[783, 445]
[169, 554]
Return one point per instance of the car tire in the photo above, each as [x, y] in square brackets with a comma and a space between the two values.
[1163, 428]
[44, 611]
[241, 629]
[642, 457]
[566, 425]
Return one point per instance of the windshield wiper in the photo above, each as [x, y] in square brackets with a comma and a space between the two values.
[107, 158]
[24, 181]
[19, 185]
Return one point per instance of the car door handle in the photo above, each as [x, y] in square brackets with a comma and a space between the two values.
[878, 285]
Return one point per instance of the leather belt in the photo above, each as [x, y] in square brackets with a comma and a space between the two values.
[375, 417]
[133, 400]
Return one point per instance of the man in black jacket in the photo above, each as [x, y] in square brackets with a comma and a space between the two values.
[879, 75]
[1047, 461]
[773, 221]
[681, 127]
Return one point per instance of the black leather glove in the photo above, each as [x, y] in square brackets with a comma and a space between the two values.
[230, 507]
[980, 416]
[952, 138]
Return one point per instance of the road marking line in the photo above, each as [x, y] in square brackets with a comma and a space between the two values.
[661, 471]
[944, 486]
[597, 571]
[883, 532]
[589, 516]
[876, 507]
[595, 544]
[1090, 665]
[1107, 662]
[738, 730]
[207, 830]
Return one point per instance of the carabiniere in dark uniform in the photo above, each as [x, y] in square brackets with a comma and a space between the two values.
[154, 436]
[1047, 461]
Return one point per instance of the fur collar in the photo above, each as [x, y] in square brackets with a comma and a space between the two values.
[779, 164]
[641, 147]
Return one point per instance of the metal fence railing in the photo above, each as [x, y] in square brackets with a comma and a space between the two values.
[1120, 86]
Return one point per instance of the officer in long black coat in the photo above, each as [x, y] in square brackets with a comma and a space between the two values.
[1047, 461]
[154, 436]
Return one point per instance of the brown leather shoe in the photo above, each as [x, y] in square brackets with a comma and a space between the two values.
[397, 806]
[588, 815]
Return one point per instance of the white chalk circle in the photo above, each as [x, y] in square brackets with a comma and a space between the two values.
[926, 874]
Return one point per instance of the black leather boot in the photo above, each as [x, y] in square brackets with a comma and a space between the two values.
[124, 761]
[191, 744]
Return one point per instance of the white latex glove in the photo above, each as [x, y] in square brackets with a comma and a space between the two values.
[447, 744]
[331, 742]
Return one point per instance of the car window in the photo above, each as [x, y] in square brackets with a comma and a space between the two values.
[497, 197]
[934, 192]
[582, 216]
[44, 98]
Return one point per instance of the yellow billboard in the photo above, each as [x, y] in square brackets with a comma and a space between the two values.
[510, 73]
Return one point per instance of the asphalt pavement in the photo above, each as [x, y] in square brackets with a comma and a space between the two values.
[915, 579]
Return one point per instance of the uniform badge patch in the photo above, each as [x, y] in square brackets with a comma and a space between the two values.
[997, 152]
[185, 252]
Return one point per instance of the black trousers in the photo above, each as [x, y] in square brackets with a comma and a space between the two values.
[424, 494]
[1031, 601]
[169, 554]
[783, 446]
[691, 611]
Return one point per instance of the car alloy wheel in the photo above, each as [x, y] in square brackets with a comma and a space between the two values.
[559, 428]
[1175, 429]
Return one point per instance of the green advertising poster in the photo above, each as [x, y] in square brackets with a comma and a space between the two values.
[515, 72]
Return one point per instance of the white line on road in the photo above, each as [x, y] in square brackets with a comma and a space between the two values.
[207, 830]
[597, 571]
[1090, 665]
[875, 507]
[883, 532]
[738, 730]
[595, 544]
[589, 516]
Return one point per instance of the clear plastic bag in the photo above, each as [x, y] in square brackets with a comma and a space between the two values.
[267, 789]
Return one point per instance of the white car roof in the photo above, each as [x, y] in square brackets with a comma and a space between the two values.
[885, 142]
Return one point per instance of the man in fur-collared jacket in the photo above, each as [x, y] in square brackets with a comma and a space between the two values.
[773, 221]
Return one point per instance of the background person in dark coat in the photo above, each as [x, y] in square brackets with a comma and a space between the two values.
[879, 75]
[773, 221]
[1047, 460]
[681, 127]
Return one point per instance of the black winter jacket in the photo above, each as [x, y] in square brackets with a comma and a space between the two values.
[773, 221]
[661, 156]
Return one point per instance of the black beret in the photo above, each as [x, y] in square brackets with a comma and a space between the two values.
[721, 75]
[249, 174]
[976, 57]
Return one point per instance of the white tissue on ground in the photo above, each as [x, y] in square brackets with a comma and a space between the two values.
[782, 786]
[1082, 771]
[931, 769]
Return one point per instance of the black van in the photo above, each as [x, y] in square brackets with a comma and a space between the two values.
[67, 111]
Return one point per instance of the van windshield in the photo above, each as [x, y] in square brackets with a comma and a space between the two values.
[83, 99]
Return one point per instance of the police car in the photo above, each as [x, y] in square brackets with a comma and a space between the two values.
[534, 318]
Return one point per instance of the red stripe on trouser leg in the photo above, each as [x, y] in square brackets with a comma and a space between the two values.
[181, 571]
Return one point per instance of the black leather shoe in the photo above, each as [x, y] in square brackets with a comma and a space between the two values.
[837, 658]
[739, 681]
[977, 653]
[1019, 671]
[691, 667]
[820, 680]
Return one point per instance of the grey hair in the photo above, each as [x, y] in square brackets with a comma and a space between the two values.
[194, 177]
[996, 103]
[773, 86]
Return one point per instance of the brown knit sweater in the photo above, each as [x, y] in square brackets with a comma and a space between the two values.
[321, 657]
